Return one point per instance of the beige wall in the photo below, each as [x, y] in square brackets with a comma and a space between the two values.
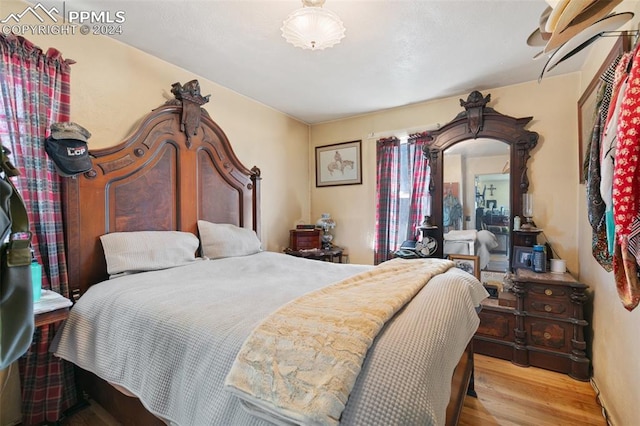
[615, 344]
[551, 103]
[113, 86]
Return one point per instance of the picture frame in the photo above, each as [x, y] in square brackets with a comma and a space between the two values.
[339, 164]
[587, 102]
[467, 263]
[522, 257]
[491, 204]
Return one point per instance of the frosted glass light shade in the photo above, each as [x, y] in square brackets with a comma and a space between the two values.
[313, 28]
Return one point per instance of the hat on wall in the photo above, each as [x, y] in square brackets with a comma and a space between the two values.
[67, 148]
[585, 38]
[539, 36]
[576, 17]
[572, 10]
[556, 11]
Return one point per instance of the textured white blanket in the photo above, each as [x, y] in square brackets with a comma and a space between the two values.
[170, 337]
[301, 363]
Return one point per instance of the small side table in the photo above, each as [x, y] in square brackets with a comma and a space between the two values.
[51, 308]
[329, 255]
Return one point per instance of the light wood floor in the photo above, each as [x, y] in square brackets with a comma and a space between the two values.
[512, 395]
[507, 395]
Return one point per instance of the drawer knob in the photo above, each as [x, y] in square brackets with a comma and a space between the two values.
[547, 308]
[548, 292]
[547, 335]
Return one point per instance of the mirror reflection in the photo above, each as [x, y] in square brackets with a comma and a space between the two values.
[476, 204]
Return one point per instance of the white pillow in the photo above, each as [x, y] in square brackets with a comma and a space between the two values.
[127, 252]
[226, 240]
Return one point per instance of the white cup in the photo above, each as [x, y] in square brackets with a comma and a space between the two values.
[558, 266]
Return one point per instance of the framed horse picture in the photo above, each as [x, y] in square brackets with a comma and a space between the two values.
[339, 164]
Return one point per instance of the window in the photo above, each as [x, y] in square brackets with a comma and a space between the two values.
[402, 192]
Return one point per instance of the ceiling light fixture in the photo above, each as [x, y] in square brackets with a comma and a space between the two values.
[313, 27]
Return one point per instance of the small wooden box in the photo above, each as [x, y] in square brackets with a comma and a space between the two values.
[304, 239]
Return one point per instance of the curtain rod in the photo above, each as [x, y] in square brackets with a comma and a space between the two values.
[403, 132]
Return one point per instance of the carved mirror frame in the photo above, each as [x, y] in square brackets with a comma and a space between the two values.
[478, 121]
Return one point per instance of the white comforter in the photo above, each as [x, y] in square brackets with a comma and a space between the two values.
[170, 338]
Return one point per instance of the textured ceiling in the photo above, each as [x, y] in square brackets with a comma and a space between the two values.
[395, 52]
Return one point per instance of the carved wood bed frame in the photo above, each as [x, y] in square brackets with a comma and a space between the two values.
[176, 168]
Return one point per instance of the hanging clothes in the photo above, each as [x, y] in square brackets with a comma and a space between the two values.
[595, 204]
[608, 147]
[626, 182]
[595, 177]
[626, 188]
[452, 212]
[626, 275]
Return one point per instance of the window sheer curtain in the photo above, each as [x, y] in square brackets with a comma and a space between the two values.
[35, 93]
[401, 192]
[420, 178]
[387, 196]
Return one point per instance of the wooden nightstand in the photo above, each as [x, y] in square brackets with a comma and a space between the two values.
[51, 317]
[51, 308]
[329, 255]
[544, 329]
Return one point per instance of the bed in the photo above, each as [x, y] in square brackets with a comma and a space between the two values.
[156, 344]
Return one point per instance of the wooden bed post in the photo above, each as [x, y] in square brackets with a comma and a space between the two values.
[255, 179]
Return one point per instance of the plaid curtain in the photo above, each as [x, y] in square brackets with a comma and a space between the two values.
[35, 90]
[387, 192]
[420, 172]
[400, 164]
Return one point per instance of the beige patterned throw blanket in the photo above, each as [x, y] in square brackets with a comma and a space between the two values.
[301, 363]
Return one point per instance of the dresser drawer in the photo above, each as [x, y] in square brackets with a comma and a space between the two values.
[558, 309]
[496, 324]
[549, 335]
[552, 291]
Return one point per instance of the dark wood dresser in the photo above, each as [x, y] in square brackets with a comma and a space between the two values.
[544, 329]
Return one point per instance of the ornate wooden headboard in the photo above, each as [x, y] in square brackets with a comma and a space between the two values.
[177, 167]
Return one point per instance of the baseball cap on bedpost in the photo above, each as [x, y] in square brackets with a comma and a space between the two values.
[69, 130]
[67, 148]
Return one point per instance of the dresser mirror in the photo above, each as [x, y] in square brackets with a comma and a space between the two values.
[477, 194]
[478, 175]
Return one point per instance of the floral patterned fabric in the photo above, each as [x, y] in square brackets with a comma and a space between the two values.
[620, 179]
[626, 174]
